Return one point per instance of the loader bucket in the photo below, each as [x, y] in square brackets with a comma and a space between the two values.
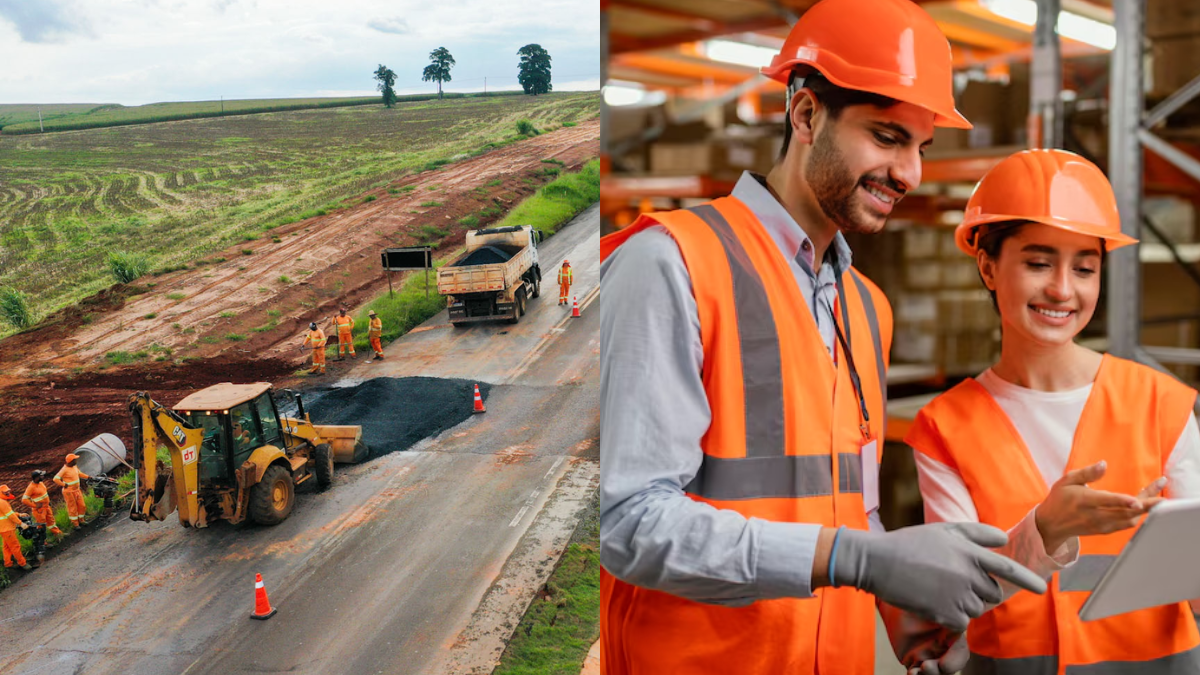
[346, 441]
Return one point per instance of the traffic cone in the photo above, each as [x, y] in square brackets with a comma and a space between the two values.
[262, 607]
[575, 307]
[478, 401]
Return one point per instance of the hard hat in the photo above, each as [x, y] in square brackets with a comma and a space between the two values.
[4, 488]
[566, 262]
[1051, 187]
[38, 474]
[899, 52]
[71, 456]
[312, 325]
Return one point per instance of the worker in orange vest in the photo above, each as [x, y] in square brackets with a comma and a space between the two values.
[345, 326]
[68, 478]
[1061, 446]
[316, 340]
[9, 522]
[37, 498]
[743, 384]
[565, 278]
[375, 333]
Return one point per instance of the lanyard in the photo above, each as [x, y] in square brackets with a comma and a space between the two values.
[865, 425]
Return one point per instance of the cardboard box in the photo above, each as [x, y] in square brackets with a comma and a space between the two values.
[1174, 62]
[718, 158]
[1172, 18]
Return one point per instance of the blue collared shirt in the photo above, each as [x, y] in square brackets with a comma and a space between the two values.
[654, 411]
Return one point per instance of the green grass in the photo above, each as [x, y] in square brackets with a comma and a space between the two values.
[151, 315]
[406, 310]
[494, 183]
[235, 337]
[118, 358]
[526, 128]
[557, 202]
[369, 198]
[66, 200]
[14, 308]
[227, 315]
[125, 267]
[556, 632]
[284, 279]
[430, 205]
[176, 296]
[247, 251]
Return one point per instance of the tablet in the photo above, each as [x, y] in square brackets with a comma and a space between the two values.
[1157, 566]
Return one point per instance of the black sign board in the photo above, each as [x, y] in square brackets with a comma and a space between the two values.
[412, 258]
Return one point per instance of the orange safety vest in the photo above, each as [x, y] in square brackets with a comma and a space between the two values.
[69, 477]
[35, 495]
[8, 518]
[343, 323]
[784, 445]
[315, 339]
[565, 276]
[375, 328]
[1132, 420]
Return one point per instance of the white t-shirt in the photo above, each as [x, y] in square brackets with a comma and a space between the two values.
[1046, 422]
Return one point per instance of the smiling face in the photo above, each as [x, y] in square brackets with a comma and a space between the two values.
[1046, 282]
[865, 160]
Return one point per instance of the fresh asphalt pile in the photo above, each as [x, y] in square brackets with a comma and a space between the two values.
[486, 255]
[396, 413]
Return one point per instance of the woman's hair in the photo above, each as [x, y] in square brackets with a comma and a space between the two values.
[993, 240]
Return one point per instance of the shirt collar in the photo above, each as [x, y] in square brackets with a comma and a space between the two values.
[752, 191]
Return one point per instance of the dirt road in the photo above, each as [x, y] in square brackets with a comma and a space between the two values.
[415, 562]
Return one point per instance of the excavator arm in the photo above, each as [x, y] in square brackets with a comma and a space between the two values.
[162, 489]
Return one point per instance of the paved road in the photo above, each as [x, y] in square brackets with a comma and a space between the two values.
[416, 562]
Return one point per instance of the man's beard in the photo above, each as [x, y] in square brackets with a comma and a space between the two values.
[834, 185]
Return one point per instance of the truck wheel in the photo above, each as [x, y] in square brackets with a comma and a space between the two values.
[272, 498]
[459, 324]
[323, 458]
[518, 306]
[537, 288]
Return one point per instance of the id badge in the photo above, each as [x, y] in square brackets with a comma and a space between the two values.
[870, 475]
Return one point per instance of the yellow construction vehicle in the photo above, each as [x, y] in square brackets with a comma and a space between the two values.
[232, 455]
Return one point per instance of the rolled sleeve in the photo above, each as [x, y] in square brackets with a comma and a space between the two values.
[654, 412]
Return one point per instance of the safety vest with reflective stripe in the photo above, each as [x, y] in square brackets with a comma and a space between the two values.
[784, 444]
[343, 323]
[315, 339]
[1132, 420]
[35, 494]
[375, 328]
[566, 276]
[69, 476]
[8, 517]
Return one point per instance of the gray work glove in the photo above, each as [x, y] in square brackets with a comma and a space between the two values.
[941, 572]
[923, 647]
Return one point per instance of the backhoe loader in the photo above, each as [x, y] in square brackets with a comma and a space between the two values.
[232, 456]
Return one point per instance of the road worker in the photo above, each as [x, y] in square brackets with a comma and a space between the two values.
[37, 498]
[316, 339]
[9, 522]
[565, 278]
[68, 479]
[345, 327]
[1061, 446]
[742, 379]
[375, 333]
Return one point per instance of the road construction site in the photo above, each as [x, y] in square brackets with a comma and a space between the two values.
[420, 559]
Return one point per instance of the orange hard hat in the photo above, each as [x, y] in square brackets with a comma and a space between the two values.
[898, 52]
[72, 456]
[1052, 187]
[4, 488]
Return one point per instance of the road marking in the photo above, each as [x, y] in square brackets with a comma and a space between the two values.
[516, 519]
[558, 462]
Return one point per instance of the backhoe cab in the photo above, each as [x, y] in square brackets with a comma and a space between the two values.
[229, 455]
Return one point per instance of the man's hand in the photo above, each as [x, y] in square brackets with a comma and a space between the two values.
[1072, 509]
[942, 572]
[923, 647]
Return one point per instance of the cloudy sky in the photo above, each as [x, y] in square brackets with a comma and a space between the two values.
[145, 51]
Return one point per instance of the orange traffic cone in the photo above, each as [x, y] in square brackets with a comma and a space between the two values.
[262, 607]
[575, 307]
[478, 401]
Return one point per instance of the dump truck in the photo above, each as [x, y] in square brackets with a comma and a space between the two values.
[225, 453]
[496, 276]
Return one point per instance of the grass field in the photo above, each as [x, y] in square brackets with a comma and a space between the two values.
[23, 118]
[179, 190]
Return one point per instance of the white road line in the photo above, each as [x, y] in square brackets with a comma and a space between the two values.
[558, 462]
[517, 518]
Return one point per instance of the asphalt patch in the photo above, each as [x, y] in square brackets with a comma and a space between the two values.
[396, 412]
[486, 255]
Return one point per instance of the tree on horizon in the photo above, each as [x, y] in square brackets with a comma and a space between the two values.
[439, 68]
[386, 78]
[534, 70]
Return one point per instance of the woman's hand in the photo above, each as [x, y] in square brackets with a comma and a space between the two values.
[1072, 509]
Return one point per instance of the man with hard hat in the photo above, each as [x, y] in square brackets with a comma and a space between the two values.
[565, 278]
[375, 333]
[345, 333]
[37, 498]
[316, 339]
[742, 377]
[9, 522]
[68, 479]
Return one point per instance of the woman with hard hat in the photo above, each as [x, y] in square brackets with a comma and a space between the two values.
[1061, 446]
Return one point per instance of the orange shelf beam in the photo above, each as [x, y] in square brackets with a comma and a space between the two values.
[640, 187]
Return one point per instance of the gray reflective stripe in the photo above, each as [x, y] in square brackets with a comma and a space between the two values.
[873, 320]
[770, 477]
[762, 369]
[1029, 665]
[1085, 573]
[1183, 663]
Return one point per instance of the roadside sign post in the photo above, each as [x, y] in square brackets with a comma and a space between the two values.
[408, 258]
